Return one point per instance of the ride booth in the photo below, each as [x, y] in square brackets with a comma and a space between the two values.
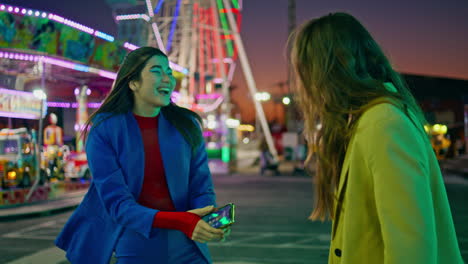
[23, 176]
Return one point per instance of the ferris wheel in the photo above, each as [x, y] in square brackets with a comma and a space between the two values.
[201, 39]
[197, 36]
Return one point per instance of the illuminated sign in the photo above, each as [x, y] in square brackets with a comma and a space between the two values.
[19, 104]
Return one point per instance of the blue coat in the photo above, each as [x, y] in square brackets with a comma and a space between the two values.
[116, 160]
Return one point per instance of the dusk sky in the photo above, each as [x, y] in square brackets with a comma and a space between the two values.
[422, 37]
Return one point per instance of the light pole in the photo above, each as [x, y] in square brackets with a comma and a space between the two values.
[39, 94]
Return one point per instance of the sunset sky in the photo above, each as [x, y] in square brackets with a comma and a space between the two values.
[422, 37]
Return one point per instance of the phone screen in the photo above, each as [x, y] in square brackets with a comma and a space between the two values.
[222, 217]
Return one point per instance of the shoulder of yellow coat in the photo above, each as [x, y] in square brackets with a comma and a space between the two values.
[381, 112]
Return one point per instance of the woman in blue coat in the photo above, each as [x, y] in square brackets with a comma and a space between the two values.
[151, 181]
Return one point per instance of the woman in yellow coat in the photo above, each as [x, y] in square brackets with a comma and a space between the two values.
[377, 176]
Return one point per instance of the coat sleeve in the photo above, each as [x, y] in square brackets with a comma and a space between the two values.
[397, 158]
[113, 191]
[201, 185]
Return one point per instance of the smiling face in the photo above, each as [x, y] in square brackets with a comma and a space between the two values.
[154, 88]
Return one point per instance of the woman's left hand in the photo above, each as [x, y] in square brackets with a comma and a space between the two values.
[203, 232]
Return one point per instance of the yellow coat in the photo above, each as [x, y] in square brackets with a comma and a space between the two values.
[395, 208]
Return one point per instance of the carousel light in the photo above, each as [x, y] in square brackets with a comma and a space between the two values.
[108, 74]
[133, 17]
[58, 18]
[130, 46]
[58, 104]
[104, 36]
[71, 105]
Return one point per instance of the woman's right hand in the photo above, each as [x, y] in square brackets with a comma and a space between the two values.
[203, 232]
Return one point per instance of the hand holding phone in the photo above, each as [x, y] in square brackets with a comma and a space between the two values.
[221, 218]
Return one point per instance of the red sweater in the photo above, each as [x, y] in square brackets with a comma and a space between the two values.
[155, 193]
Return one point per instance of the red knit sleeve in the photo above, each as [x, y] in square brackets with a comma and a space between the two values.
[182, 221]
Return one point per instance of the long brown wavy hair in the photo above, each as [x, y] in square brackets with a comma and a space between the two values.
[340, 72]
[121, 99]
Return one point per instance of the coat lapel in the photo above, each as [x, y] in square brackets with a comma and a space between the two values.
[137, 160]
[170, 147]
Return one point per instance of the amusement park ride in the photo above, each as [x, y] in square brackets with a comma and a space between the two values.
[201, 36]
[70, 61]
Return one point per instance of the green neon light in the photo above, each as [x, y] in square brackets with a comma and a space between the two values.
[225, 26]
[229, 47]
[235, 4]
[225, 157]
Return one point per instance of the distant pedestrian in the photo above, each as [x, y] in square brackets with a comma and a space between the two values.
[377, 177]
[267, 160]
[151, 181]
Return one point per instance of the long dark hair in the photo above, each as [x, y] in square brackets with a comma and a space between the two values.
[340, 73]
[121, 99]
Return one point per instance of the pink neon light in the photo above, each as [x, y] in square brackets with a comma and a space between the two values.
[133, 17]
[58, 18]
[175, 96]
[150, 8]
[107, 74]
[158, 37]
[231, 71]
[18, 115]
[71, 105]
[130, 46]
[207, 133]
[94, 105]
[208, 96]
[15, 92]
[57, 62]
[58, 104]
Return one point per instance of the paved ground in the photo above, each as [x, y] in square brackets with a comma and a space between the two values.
[271, 225]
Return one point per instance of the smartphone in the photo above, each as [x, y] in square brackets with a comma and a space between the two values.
[221, 218]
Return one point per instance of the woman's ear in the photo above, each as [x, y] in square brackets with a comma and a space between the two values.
[133, 85]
